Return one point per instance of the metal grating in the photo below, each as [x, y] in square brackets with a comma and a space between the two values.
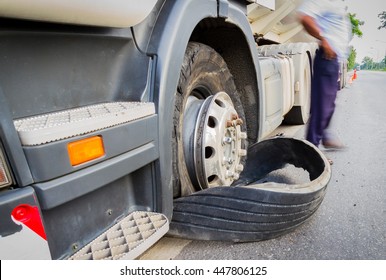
[127, 239]
[69, 123]
[5, 176]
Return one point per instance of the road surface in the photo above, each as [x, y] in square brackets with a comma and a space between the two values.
[351, 222]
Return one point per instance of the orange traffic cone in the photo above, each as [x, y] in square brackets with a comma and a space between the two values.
[355, 74]
[350, 80]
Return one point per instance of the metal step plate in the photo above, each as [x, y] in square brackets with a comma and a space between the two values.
[127, 239]
[69, 123]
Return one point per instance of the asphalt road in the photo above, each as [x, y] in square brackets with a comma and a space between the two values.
[351, 222]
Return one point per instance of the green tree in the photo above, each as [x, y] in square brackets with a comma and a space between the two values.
[383, 64]
[382, 17]
[351, 58]
[367, 63]
[356, 23]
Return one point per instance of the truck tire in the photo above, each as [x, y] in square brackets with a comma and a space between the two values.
[204, 81]
[241, 214]
[251, 211]
[300, 114]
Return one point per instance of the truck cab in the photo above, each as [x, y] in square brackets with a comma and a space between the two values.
[112, 111]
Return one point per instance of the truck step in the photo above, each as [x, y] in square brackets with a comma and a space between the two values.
[127, 239]
[55, 126]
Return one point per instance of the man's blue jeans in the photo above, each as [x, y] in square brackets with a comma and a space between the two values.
[323, 94]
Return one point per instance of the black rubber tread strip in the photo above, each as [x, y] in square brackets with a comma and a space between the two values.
[197, 232]
[228, 224]
[240, 214]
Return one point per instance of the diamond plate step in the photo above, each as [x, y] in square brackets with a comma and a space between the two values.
[127, 239]
[69, 123]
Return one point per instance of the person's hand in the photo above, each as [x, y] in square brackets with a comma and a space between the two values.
[328, 51]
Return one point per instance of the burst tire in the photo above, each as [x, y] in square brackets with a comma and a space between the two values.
[252, 212]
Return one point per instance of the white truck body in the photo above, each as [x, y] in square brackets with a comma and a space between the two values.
[115, 13]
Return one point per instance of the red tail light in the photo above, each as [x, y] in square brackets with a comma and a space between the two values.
[30, 217]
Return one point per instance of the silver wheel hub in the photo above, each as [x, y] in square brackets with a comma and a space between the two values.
[212, 139]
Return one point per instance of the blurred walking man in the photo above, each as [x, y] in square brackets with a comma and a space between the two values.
[327, 21]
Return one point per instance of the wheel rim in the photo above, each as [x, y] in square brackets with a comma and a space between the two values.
[212, 141]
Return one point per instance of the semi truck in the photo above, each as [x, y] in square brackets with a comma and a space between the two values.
[122, 121]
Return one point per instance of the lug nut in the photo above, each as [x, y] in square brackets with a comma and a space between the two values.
[234, 117]
[243, 135]
[236, 176]
[239, 122]
[229, 174]
[229, 123]
[239, 167]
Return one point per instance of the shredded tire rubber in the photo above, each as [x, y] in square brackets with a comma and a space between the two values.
[250, 211]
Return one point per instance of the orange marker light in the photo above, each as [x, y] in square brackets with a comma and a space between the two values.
[85, 150]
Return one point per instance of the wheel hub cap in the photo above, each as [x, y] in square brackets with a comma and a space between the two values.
[212, 141]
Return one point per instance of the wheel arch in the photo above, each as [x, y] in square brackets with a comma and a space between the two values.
[180, 22]
[231, 43]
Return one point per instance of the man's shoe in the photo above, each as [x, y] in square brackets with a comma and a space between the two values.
[333, 145]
